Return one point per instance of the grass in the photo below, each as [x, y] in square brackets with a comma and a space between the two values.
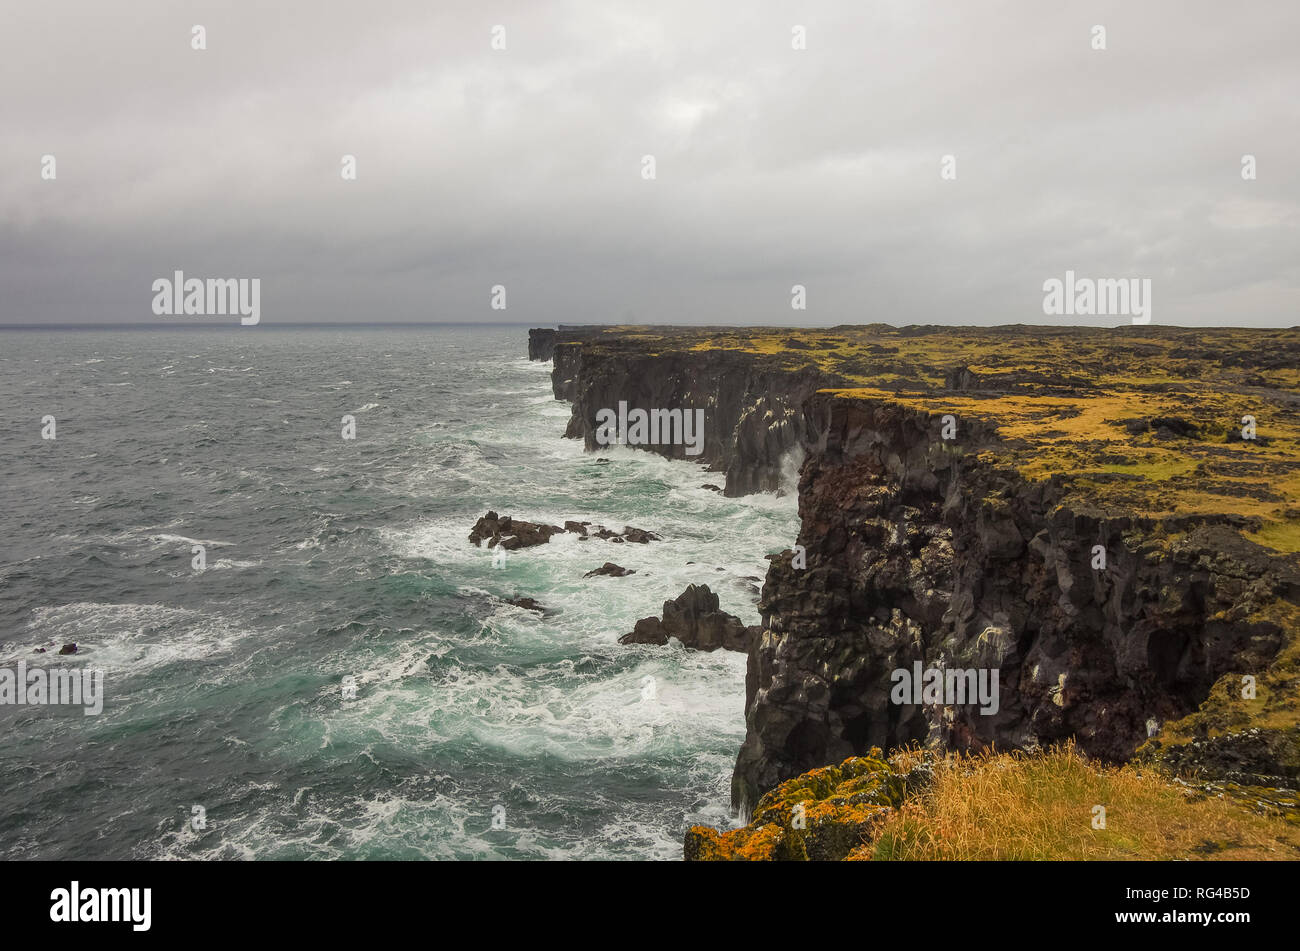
[1278, 535]
[1021, 806]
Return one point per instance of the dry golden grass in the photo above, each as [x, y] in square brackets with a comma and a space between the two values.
[1040, 806]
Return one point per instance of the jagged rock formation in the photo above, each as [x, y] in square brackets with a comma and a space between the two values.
[694, 618]
[752, 418]
[514, 533]
[541, 344]
[981, 551]
[510, 533]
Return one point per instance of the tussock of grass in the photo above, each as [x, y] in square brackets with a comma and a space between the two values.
[1028, 807]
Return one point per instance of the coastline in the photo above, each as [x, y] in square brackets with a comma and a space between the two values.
[952, 553]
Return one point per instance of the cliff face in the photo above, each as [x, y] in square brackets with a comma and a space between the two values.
[753, 417]
[541, 344]
[916, 549]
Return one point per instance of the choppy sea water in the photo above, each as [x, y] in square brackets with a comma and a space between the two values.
[329, 558]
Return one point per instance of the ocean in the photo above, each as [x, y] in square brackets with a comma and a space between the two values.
[479, 730]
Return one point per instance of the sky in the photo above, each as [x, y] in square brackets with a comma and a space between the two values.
[774, 166]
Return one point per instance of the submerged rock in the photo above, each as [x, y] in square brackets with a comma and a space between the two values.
[610, 569]
[528, 604]
[629, 534]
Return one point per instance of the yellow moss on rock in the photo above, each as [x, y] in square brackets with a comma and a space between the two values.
[821, 815]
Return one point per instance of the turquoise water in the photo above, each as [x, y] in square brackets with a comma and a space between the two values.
[329, 558]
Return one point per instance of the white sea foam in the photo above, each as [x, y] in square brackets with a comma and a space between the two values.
[233, 563]
[463, 700]
[130, 638]
[167, 539]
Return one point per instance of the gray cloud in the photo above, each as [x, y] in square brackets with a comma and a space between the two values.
[775, 166]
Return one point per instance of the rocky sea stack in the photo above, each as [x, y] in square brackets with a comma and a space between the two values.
[695, 619]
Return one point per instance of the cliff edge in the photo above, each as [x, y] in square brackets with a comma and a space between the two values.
[1090, 534]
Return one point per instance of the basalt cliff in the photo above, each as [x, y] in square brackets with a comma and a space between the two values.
[1108, 519]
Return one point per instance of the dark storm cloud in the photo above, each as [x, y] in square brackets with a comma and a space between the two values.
[774, 166]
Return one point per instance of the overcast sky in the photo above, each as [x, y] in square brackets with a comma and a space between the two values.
[774, 166]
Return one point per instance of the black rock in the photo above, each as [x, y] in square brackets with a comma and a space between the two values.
[611, 569]
[694, 619]
[510, 533]
[528, 604]
[648, 630]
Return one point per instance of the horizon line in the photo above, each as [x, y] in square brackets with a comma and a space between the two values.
[289, 325]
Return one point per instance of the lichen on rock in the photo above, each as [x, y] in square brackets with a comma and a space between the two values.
[822, 815]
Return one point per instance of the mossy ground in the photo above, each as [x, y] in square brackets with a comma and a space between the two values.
[1017, 806]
